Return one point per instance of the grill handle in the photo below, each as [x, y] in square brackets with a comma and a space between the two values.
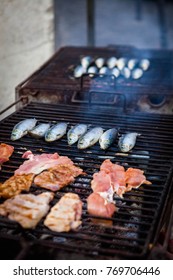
[24, 99]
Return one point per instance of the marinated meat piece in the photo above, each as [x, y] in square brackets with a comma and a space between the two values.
[15, 184]
[99, 206]
[135, 178]
[5, 152]
[66, 214]
[38, 163]
[27, 209]
[57, 177]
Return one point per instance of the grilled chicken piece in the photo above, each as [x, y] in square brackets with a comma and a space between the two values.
[57, 177]
[135, 178]
[27, 209]
[99, 206]
[66, 214]
[5, 152]
[15, 184]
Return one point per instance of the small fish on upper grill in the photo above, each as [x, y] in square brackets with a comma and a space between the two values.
[39, 130]
[22, 128]
[126, 73]
[131, 64]
[79, 71]
[99, 62]
[104, 70]
[116, 72]
[86, 61]
[15, 185]
[111, 62]
[90, 138]
[27, 209]
[92, 70]
[57, 177]
[5, 152]
[56, 132]
[108, 138]
[137, 73]
[121, 63]
[127, 141]
[65, 214]
[75, 133]
[144, 64]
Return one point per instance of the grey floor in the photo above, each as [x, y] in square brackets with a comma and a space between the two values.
[116, 22]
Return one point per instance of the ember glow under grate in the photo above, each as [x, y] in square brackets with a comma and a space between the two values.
[136, 225]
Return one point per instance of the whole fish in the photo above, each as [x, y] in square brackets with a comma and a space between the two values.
[90, 138]
[127, 141]
[39, 130]
[55, 132]
[22, 128]
[75, 133]
[107, 138]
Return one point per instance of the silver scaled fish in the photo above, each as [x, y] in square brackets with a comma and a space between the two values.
[108, 138]
[90, 138]
[39, 131]
[56, 132]
[127, 141]
[75, 133]
[22, 128]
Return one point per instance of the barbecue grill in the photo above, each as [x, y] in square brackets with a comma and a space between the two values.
[134, 230]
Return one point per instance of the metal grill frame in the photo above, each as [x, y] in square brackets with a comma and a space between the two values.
[93, 240]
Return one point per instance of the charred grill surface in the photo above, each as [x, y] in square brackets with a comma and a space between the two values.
[136, 225]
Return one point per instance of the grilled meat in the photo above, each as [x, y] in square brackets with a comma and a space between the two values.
[99, 206]
[90, 138]
[15, 185]
[5, 152]
[75, 133]
[22, 128]
[66, 214]
[135, 178]
[27, 209]
[56, 132]
[57, 177]
[38, 163]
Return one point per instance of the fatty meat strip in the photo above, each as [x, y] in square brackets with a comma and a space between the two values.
[65, 214]
[27, 209]
[5, 152]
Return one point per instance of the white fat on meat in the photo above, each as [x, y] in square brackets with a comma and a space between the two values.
[27, 209]
[65, 214]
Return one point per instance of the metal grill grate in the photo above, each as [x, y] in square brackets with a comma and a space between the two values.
[136, 225]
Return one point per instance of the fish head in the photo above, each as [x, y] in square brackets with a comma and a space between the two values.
[126, 147]
[104, 143]
[49, 137]
[72, 138]
[82, 143]
[16, 134]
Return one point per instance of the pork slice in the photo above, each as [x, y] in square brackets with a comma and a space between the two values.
[27, 209]
[38, 163]
[135, 178]
[65, 215]
[99, 206]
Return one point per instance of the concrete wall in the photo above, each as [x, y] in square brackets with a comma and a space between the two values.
[26, 42]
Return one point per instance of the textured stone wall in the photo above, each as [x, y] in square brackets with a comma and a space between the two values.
[26, 42]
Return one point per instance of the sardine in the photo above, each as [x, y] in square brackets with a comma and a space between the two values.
[132, 63]
[121, 63]
[116, 72]
[137, 73]
[79, 71]
[56, 132]
[126, 72]
[99, 62]
[86, 61]
[22, 128]
[39, 131]
[92, 70]
[111, 62]
[107, 138]
[104, 70]
[90, 138]
[75, 133]
[127, 141]
[144, 64]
